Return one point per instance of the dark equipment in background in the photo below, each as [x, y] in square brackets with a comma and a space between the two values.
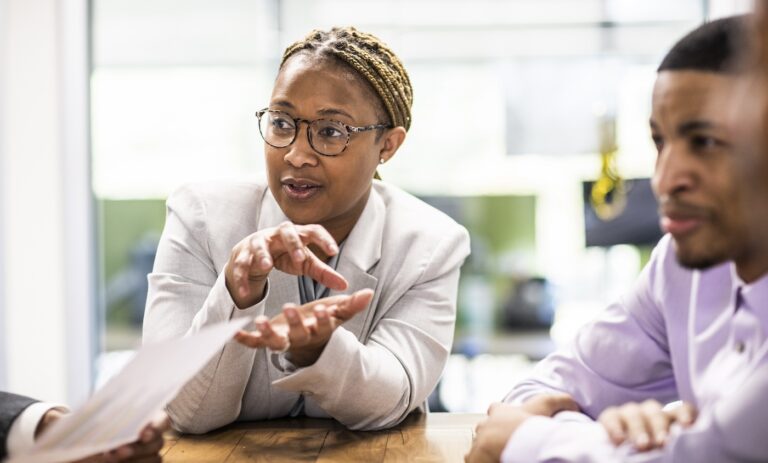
[531, 305]
[638, 224]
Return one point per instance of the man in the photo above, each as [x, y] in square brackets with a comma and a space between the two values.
[693, 328]
[23, 419]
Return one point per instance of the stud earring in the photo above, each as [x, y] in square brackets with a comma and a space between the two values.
[381, 160]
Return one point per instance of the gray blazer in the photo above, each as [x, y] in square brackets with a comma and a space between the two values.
[376, 368]
[11, 406]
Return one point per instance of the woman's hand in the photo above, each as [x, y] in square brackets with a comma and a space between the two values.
[286, 248]
[303, 331]
[646, 425]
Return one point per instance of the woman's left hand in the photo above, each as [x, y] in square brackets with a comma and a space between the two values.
[303, 331]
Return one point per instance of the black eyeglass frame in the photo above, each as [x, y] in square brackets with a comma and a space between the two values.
[297, 120]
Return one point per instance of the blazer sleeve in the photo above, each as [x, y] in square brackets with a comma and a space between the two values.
[11, 406]
[632, 330]
[375, 385]
[185, 294]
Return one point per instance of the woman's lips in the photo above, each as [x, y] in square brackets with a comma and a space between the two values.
[300, 191]
[680, 226]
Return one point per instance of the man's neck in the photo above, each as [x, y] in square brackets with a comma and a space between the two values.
[753, 265]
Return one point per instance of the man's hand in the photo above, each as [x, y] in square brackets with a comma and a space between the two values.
[146, 449]
[492, 435]
[303, 331]
[646, 425]
[550, 404]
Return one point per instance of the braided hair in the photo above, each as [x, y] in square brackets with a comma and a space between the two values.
[370, 58]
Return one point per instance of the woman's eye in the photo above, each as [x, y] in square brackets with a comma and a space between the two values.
[330, 132]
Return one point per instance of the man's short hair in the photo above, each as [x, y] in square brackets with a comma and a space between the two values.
[714, 47]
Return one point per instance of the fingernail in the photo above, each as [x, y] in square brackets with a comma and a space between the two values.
[290, 314]
[125, 452]
[333, 247]
[661, 436]
[641, 440]
[298, 254]
[264, 263]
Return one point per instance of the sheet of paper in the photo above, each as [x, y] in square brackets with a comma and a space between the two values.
[119, 411]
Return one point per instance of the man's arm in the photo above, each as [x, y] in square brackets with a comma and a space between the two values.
[621, 357]
[730, 431]
[11, 406]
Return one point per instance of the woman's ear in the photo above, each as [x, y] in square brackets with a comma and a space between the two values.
[390, 142]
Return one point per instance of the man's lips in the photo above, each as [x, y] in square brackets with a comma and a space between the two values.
[679, 226]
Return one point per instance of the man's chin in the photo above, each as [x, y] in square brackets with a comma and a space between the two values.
[698, 260]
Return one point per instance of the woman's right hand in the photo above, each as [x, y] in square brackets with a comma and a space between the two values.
[285, 248]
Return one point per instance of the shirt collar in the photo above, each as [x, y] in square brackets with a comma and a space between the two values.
[754, 296]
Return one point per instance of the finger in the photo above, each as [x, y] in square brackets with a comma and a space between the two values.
[614, 426]
[657, 421]
[354, 304]
[637, 431]
[240, 269]
[291, 242]
[272, 339]
[550, 404]
[323, 327]
[161, 422]
[262, 259]
[495, 407]
[324, 274]
[319, 235]
[252, 339]
[297, 331]
[685, 414]
[142, 449]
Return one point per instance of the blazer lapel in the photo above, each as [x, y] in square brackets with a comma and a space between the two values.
[359, 255]
[282, 286]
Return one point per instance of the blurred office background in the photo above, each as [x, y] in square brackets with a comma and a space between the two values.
[520, 107]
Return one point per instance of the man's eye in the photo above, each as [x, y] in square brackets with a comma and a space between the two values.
[281, 124]
[658, 141]
[704, 142]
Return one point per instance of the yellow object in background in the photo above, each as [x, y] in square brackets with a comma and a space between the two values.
[608, 197]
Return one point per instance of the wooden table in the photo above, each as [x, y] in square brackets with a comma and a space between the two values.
[435, 437]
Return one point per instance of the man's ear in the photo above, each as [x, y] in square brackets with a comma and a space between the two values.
[390, 142]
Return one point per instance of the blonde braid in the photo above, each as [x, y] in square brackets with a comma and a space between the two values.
[370, 58]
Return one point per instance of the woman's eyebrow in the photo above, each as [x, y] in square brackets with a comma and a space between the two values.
[334, 112]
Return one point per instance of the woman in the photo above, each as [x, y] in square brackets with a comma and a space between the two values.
[341, 105]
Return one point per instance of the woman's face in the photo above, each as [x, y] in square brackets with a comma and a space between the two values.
[309, 187]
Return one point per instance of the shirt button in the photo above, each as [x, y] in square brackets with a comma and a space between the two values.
[739, 347]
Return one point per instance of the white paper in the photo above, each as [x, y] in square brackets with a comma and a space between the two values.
[117, 413]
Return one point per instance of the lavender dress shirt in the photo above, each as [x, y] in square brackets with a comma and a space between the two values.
[696, 336]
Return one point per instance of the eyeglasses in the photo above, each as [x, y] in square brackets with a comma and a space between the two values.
[326, 136]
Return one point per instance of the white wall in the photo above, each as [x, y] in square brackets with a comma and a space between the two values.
[3, 336]
[47, 239]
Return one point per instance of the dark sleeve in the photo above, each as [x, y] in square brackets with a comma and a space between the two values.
[11, 406]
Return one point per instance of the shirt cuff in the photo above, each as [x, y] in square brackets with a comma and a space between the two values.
[21, 436]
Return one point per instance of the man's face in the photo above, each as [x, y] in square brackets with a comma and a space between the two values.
[695, 178]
